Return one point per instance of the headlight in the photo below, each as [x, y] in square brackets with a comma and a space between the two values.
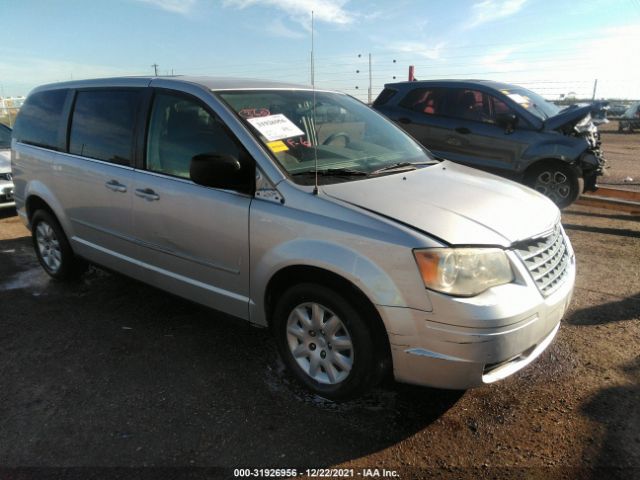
[463, 271]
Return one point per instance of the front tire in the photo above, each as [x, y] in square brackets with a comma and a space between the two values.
[324, 341]
[560, 182]
[52, 247]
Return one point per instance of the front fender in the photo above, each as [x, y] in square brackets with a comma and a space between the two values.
[349, 264]
[565, 149]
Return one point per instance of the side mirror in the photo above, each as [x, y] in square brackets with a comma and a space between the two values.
[508, 121]
[218, 171]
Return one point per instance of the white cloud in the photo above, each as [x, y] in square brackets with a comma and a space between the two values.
[492, 10]
[329, 11]
[279, 29]
[21, 74]
[605, 58]
[552, 74]
[497, 56]
[433, 52]
[183, 7]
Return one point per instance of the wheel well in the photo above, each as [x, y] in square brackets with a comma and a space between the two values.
[550, 161]
[35, 203]
[293, 275]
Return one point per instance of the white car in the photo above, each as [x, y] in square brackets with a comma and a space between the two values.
[6, 182]
[630, 121]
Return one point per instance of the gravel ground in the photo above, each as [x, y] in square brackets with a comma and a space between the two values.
[622, 151]
[108, 372]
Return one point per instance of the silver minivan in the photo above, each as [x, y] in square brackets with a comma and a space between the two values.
[300, 210]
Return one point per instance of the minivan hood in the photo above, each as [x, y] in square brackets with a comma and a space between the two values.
[456, 204]
[570, 117]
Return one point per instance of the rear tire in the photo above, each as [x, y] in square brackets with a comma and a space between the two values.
[324, 341]
[53, 249]
[560, 182]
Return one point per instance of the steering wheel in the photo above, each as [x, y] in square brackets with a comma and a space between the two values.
[333, 136]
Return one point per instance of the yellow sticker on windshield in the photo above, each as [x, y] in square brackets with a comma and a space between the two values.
[277, 146]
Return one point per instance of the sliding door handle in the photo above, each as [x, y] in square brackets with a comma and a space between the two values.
[147, 194]
[115, 186]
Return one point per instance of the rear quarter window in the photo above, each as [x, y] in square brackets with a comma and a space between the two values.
[424, 100]
[38, 122]
[384, 96]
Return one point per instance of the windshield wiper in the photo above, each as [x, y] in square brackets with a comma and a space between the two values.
[400, 166]
[335, 172]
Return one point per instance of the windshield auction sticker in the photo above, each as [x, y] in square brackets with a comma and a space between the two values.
[275, 127]
[277, 146]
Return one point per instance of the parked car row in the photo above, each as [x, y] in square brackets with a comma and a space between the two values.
[631, 118]
[363, 253]
[501, 128]
[6, 182]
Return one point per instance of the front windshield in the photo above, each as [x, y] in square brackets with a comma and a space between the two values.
[534, 103]
[349, 139]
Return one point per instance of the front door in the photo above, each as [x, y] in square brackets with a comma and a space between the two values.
[194, 240]
[474, 137]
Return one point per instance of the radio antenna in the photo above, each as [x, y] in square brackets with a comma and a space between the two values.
[314, 139]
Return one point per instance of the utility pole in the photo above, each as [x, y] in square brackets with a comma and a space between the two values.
[595, 86]
[370, 82]
[155, 68]
[313, 80]
[370, 90]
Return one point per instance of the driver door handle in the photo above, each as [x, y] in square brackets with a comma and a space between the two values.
[147, 194]
[463, 130]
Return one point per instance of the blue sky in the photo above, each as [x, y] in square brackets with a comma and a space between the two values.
[554, 47]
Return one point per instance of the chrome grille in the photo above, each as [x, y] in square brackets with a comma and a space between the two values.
[547, 259]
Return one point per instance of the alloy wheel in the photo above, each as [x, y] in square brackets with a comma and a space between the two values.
[48, 246]
[320, 343]
[554, 184]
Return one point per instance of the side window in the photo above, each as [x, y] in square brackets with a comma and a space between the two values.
[102, 125]
[38, 122]
[475, 105]
[467, 104]
[498, 107]
[180, 129]
[5, 137]
[424, 100]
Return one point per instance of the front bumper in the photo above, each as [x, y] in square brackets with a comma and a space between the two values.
[6, 195]
[491, 340]
[592, 163]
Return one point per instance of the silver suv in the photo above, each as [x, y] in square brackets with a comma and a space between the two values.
[303, 211]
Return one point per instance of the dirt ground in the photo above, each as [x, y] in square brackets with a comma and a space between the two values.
[622, 151]
[108, 372]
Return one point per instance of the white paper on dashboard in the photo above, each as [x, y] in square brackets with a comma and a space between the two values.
[275, 127]
[518, 98]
